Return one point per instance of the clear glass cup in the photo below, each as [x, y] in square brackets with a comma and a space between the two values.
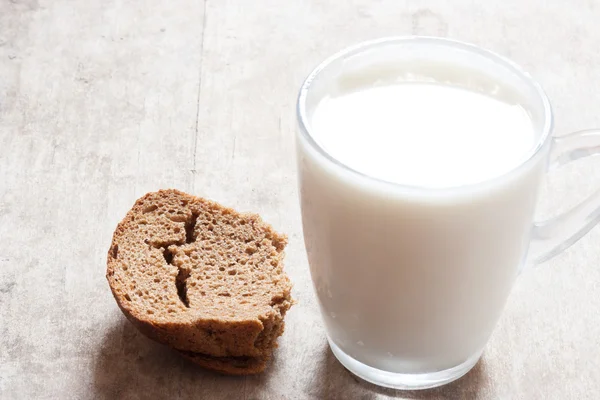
[426, 324]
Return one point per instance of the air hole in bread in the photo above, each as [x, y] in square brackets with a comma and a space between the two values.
[168, 256]
[178, 218]
[181, 283]
[190, 224]
[115, 251]
[150, 208]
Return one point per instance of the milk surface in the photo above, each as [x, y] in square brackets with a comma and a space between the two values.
[423, 134]
[412, 277]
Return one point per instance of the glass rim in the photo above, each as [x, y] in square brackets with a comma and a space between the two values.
[527, 79]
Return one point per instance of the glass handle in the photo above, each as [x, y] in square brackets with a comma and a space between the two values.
[551, 237]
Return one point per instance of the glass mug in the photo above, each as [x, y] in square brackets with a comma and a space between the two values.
[411, 281]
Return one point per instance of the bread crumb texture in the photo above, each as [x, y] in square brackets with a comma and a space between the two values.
[201, 278]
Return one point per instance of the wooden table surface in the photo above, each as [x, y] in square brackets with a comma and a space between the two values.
[104, 100]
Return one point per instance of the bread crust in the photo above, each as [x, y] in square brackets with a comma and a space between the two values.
[229, 365]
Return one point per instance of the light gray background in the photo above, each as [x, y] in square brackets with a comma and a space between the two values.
[104, 100]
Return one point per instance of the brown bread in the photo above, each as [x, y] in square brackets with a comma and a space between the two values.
[201, 278]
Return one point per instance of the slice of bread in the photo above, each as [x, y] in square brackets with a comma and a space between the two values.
[201, 278]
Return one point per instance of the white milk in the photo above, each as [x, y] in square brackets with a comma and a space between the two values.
[423, 134]
[413, 280]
